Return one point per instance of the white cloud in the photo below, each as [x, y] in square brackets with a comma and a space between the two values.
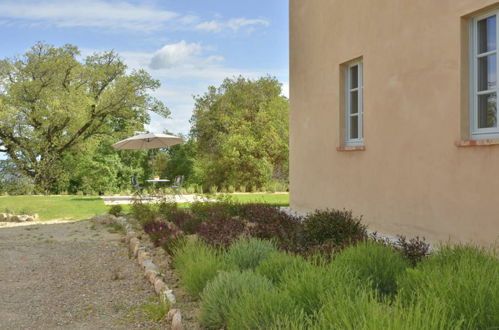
[114, 15]
[174, 54]
[92, 13]
[234, 24]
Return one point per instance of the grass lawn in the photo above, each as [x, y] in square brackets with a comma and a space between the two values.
[84, 207]
[54, 207]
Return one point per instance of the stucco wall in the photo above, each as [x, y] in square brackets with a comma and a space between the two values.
[411, 179]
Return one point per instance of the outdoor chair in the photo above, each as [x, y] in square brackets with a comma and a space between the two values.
[178, 183]
[135, 185]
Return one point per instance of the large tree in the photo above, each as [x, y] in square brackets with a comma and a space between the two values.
[241, 129]
[51, 103]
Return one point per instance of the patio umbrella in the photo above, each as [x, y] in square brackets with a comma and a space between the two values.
[148, 141]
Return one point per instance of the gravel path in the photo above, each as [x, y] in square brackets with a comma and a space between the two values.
[69, 276]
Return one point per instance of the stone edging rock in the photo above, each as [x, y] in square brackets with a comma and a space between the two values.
[151, 271]
[5, 217]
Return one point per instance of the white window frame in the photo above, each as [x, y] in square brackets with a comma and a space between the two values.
[475, 132]
[359, 141]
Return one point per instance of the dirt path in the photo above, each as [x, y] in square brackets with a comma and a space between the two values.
[69, 276]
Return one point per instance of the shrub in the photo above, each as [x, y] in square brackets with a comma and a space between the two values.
[242, 188]
[247, 253]
[164, 234]
[165, 208]
[254, 189]
[199, 189]
[197, 264]
[465, 279]
[374, 262]
[187, 222]
[363, 310]
[276, 265]
[231, 189]
[261, 309]
[220, 294]
[221, 232]
[415, 250]
[307, 286]
[206, 211]
[272, 223]
[213, 189]
[143, 212]
[191, 189]
[340, 228]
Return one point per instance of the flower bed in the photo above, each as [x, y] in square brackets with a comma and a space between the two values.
[253, 266]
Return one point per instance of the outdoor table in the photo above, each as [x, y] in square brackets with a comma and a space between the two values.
[154, 181]
[158, 180]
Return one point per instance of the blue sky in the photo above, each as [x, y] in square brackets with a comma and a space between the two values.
[186, 44]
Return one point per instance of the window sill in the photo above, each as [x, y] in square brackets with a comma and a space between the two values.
[351, 148]
[477, 143]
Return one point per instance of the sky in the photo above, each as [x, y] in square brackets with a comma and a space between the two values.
[186, 44]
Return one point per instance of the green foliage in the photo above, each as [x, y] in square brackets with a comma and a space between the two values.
[231, 189]
[197, 264]
[143, 213]
[247, 253]
[242, 188]
[155, 310]
[213, 189]
[276, 265]
[224, 291]
[464, 279]
[307, 287]
[242, 132]
[261, 309]
[361, 309]
[53, 104]
[377, 263]
[334, 226]
[115, 210]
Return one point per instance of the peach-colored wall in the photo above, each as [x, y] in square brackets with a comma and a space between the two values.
[411, 179]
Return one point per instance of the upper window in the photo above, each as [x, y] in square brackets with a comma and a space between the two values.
[354, 105]
[484, 88]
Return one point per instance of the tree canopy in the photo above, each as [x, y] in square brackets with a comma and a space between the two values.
[241, 131]
[53, 104]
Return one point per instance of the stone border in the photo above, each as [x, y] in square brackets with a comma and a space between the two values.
[151, 271]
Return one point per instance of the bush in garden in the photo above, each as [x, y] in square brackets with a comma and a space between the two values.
[165, 208]
[465, 280]
[362, 309]
[231, 189]
[213, 189]
[185, 220]
[163, 234]
[254, 189]
[206, 211]
[374, 262]
[196, 264]
[276, 265]
[269, 222]
[143, 212]
[221, 232]
[261, 309]
[224, 291]
[199, 190]
[247, 253]
[242, 188]
[340, 228]
[116, 210]
[307, 286]
[191, 189]
[415, 249]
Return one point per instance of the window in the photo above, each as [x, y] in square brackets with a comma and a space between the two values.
[484, 88]
[354, 105]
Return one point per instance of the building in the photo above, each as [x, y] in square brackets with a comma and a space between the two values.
[394, 114]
